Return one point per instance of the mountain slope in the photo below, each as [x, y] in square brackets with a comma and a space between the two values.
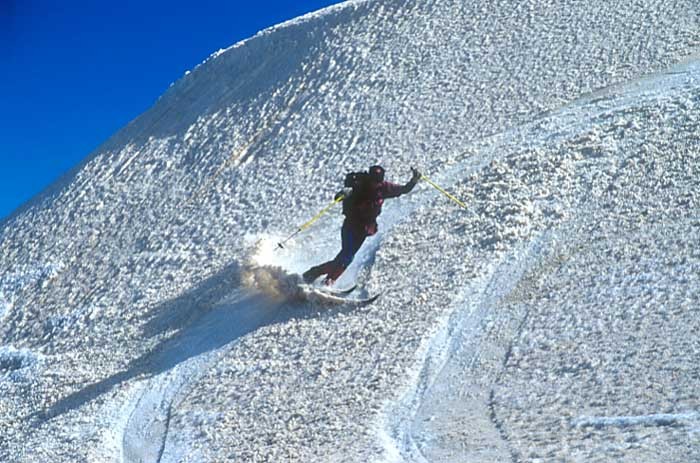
[128, 331]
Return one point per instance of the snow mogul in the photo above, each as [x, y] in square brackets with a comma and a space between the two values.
[363, 195]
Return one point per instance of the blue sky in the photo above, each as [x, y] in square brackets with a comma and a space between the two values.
[73, 72]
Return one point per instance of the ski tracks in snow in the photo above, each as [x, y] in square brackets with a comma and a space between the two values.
[145, 437]
[445, 412]
[451, 358]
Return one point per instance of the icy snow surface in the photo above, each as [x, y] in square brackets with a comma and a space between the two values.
[146, 312]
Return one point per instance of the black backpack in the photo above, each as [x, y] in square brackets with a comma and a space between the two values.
[356, 180]
[360, 182]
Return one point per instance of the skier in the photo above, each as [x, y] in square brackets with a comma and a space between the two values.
[363, 196]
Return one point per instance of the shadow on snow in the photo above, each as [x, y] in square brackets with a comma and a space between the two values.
[215, 313]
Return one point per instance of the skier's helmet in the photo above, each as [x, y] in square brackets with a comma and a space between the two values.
[376, 173]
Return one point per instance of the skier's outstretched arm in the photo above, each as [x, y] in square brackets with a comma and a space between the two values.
[392, 190]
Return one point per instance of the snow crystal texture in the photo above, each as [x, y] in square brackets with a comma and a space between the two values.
[144, 303]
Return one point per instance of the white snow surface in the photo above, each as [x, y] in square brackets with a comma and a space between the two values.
[146, 313]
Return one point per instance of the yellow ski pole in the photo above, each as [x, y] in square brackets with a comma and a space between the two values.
[311, 222]
[438, 188]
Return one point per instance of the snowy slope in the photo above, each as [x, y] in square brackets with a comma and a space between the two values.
[554, 320]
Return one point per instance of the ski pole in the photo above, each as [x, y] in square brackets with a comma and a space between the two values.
[310, 222]
[441, 190]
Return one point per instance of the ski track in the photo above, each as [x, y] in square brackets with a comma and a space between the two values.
[182, 362]
[456, 340]
[658, 419]
[402, 427]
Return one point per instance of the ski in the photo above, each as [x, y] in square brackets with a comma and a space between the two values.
[339, 297]
[344, 291]
[329, 290]
[338, 292]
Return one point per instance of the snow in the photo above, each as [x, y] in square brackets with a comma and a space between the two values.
[13, 283]
[145, 303]
[4, 305]
[659, 419]
[17, 365]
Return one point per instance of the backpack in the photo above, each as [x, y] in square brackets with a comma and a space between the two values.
[356, 180]
[361, 183]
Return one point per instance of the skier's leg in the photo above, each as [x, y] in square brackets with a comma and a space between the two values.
[327, 267]
[314, 272]
[352, 237]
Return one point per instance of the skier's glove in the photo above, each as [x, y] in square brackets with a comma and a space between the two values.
[416, 175]
[344, 193]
